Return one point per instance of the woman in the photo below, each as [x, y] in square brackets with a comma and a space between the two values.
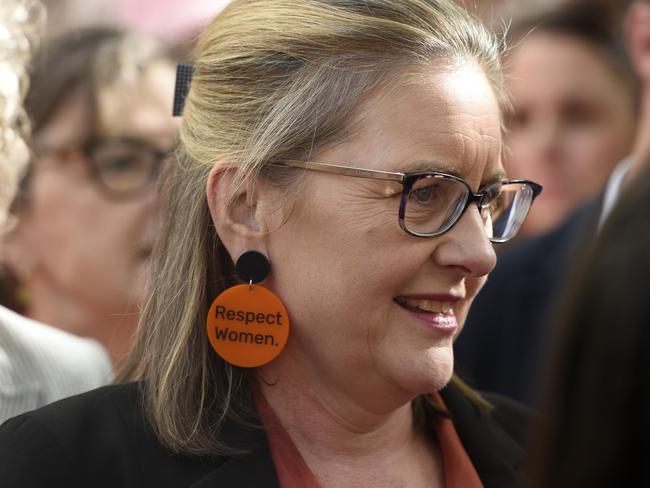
[574, 109]
[343, 142]
[101, 112]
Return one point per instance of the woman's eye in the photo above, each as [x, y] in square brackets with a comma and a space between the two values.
[425, 196]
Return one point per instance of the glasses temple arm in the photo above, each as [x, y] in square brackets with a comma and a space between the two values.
[344, 170]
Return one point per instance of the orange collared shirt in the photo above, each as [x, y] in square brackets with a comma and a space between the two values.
[293, 472]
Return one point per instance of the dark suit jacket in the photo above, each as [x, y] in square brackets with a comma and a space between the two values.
[505, 340]
[100, 439]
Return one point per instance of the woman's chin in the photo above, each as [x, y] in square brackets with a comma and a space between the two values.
[428, 374]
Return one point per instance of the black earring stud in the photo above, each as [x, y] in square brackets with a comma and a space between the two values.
[252, 267]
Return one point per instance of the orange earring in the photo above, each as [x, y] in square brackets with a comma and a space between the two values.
[248, 325]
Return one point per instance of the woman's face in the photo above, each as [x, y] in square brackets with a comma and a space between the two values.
[341, 263]
[573, 122]
[89, 253]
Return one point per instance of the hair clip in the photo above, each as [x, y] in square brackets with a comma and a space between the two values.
[184, 73]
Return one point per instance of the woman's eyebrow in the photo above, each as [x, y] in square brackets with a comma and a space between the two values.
[446, 168]
[495, 178]
[437, 166]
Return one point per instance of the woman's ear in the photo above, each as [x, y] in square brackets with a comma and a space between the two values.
[236, 217]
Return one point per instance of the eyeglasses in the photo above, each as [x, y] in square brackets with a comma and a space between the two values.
[122, 167]
[432, 202]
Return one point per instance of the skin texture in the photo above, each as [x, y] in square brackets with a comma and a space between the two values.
[573, 122]
[84, 256]
[355, 358]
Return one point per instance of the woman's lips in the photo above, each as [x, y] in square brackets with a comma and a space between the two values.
[441, 322]
[434, 311]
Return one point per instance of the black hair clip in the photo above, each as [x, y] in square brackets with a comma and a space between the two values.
[184, 73]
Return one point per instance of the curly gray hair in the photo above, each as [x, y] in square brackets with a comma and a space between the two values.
[20, 24]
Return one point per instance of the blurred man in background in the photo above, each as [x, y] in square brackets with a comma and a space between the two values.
[506, 339]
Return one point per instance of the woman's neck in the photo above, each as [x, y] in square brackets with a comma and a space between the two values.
[327, 424]
[340, 437]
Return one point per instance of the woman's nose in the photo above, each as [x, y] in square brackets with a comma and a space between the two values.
[466, 246]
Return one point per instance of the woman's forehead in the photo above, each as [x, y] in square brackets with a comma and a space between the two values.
[446, 119]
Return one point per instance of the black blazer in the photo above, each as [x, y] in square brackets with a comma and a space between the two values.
[101, 439]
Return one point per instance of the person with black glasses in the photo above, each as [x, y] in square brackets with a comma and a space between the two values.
[330, 219]
[38, 363]
[87, 209]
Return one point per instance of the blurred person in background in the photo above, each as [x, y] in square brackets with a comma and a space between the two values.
[38, 364]
[574, 109]
[507, 339]
[100, 106]
[596, 428]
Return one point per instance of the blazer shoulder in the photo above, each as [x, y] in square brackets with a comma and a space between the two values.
[61, 438]
[81, 417]
[32, 456]
[100, 438]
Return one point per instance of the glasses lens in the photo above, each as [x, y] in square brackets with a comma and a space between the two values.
[433, 205]
[505, 209]
[125, 168]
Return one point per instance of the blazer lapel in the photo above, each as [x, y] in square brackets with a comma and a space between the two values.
[497, 457]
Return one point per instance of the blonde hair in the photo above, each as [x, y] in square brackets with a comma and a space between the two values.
[21, 22]
[274, 79]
